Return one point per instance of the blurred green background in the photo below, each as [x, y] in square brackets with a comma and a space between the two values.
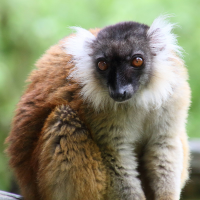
[28, 28]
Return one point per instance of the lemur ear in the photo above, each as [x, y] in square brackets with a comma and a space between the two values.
[78, 44]
[163, 42]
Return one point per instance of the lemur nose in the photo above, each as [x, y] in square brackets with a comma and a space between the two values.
[120, 95]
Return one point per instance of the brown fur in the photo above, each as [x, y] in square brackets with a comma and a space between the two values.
[48, 89]
[68, 157]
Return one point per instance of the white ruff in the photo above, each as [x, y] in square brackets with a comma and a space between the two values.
[165, 73]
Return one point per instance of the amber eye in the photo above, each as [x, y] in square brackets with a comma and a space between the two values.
[137, 62]
[102, 65]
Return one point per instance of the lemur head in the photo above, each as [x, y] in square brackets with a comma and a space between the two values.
[125, 61]
[121, 55]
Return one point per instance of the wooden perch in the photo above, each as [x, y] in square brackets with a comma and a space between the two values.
[9, 196]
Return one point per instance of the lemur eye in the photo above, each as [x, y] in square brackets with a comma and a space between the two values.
[137, 62]
[102, 65]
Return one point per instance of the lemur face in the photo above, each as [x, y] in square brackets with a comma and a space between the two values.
[122, 57]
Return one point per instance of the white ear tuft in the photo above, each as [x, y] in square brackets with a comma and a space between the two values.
[78, 45]
[163, 42]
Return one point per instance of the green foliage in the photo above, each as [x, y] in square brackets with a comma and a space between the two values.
[28, 28]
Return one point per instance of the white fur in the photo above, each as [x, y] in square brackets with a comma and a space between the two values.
[163, 43]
